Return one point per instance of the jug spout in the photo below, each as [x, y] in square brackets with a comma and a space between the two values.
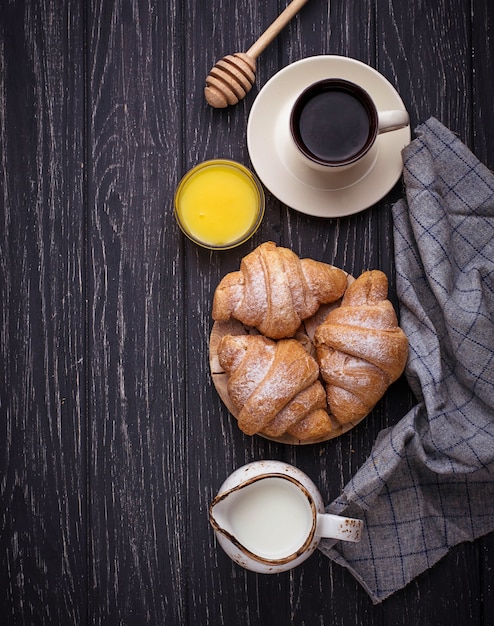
[220, 513]
[224, 512]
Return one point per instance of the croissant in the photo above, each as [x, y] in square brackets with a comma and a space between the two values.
[274, 387]
[275, 291]
[360, 348]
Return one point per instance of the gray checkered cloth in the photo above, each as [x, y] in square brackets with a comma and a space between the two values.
[428, 483]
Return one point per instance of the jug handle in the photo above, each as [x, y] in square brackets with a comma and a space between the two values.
[339, 527]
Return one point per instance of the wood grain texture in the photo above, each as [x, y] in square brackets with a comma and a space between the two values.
[113, 439]
[137, 456]
[482, 52]
[42, 385]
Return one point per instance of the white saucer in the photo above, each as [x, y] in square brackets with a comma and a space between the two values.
[299, 186]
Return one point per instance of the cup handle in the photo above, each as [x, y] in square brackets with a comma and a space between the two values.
[339, 527]
[392, 120]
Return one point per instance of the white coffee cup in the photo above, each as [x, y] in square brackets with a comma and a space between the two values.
[334, 124]
[269, 517]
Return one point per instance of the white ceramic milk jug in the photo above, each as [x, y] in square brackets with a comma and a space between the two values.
[269, 517]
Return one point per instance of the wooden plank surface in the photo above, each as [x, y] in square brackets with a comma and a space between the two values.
[113, 439]
[136, 454]
[43, 356]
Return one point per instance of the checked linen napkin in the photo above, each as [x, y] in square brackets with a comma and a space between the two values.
[428, 483]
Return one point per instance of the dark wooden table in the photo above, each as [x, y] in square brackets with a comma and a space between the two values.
[113, 439]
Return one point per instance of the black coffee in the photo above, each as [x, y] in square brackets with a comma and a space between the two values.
[331, 123]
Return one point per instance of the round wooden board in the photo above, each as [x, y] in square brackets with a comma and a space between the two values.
[305, 336]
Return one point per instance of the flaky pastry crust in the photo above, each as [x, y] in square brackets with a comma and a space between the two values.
[274, 290]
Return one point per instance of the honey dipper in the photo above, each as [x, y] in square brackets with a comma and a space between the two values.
[233, 76]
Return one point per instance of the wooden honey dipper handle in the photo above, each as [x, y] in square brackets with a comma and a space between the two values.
[233, 76]
[276, 27]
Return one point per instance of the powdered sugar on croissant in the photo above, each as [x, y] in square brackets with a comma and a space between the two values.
[274, 387]
[360, 348]
[275, 291]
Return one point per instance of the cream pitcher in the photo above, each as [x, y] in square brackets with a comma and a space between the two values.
[269, 517]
